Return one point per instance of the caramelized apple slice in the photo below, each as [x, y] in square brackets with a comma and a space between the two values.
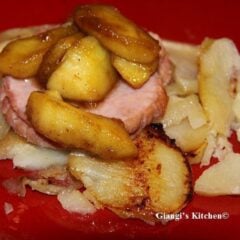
[54, 56]
[117, 33]
[85, 72]
[135, 74]
[21, 58]
[73, 127]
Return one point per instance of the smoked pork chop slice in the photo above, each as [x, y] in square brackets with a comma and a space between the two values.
[135, 107]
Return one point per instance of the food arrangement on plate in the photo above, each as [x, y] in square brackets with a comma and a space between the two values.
[109, 116]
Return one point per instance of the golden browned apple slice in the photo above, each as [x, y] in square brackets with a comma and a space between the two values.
[16, 33]
[158, 180]
[135, 74]
[23, 32]
[75, 128]
[85, 72]
[54, 56]
[21, 58]
[117, 33]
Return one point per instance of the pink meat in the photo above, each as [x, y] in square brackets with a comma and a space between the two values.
[18, 92]
[135, 107]
[13, 97]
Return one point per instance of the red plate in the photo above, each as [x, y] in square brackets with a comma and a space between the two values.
[38, 216]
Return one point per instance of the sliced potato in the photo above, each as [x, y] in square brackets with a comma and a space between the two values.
[236, 107]
[117, 33]
[185, 61]
[195, 157]
[219, 60]
[135, 74]
[28, 156]
[21, 58]
[179, 108]
[222, 178]
[85, 73]
[114, 181]
[74, 201]
[74, 128]
[159, 180]
[54, 56]
[43, 186]
[187, 138]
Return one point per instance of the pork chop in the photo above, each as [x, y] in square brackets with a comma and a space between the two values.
[13, 99]
[135, 107]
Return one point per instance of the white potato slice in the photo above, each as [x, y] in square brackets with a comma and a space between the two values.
[236, 110]
[187, 138]
[195, 157]
[185, 60]
[217, 146]
[222, 178]
[219, 61]
[74, 201]
[219, 68]
[28, 156]
[236, 107]
[179, 108]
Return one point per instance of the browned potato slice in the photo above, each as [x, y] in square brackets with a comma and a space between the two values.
[21, 58]
[54, 56]
[135, 74]
[75, 128]
[117, 33]
[158, 181]
[85, 73]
